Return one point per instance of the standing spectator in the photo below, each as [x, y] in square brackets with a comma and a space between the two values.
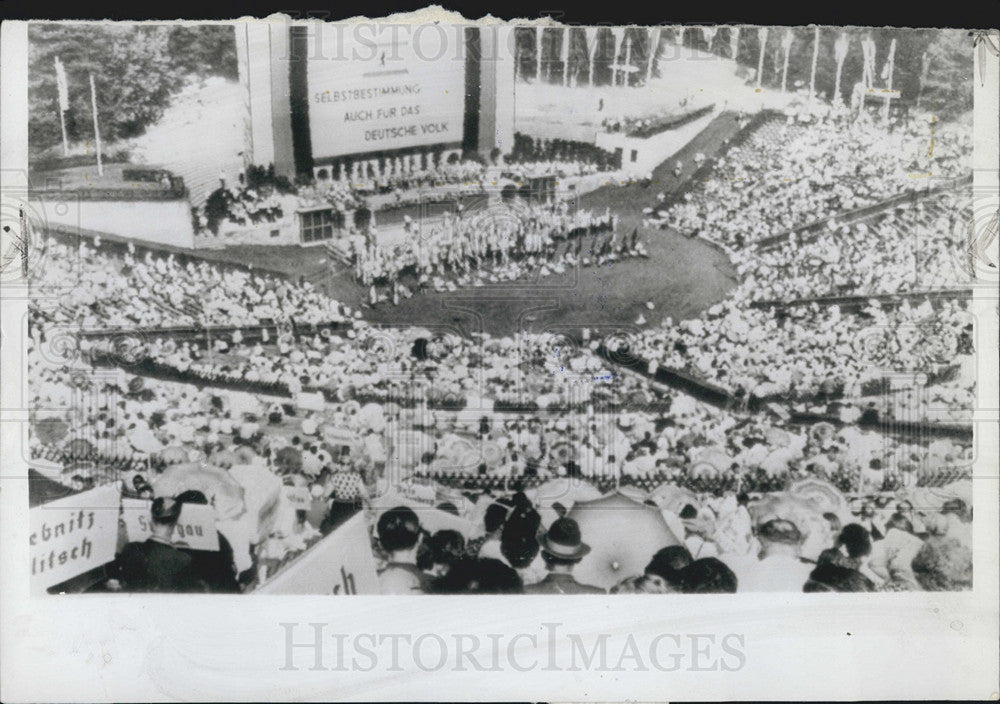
[156, 565]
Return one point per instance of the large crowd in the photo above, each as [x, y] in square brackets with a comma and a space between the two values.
[788, 174]
[514, 436]
[87, 286]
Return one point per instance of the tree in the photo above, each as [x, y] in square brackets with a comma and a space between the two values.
[137, 69]
[947, 88]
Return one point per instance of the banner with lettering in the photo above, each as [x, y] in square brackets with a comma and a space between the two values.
[341, 563]
[73, 535]
[373, 88]
[195, 528]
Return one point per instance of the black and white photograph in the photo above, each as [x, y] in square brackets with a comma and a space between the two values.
[446, 309]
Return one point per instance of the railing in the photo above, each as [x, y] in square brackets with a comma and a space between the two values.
[670, 123]
[861, 300]
[176, 191]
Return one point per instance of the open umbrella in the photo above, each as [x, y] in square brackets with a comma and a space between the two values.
[224, 492]
[714, 456]
[458, 447]
[563, 452]
[79, 447]
[223, 458]
[492, 453]
[823, 495]
[704, 470]
[623, 536]
[807, 518]
[245, 455]
[49, 431]
[822, 432]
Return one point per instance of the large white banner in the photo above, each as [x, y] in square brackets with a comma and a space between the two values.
[373, 88]
[340, 563]
[73, 535]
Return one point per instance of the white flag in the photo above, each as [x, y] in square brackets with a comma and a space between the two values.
[591, 34]
[61, 86]
[708, 33]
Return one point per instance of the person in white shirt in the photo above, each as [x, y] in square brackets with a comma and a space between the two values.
[779, 568]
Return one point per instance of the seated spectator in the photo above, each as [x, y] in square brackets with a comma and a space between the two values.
[443, 549]
[478, 576]
[943, 564]
[666, 566]
[853, 545]
[708, 575]
[892, 557]
[399, 535]
[832, 577]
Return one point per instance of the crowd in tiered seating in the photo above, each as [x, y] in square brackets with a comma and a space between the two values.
[919, 247]
[788, 174]
[337, 455]
[97, 288]
[808, 351]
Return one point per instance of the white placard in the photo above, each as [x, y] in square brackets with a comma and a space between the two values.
[195, 528]
[341, 563]
[73, 535]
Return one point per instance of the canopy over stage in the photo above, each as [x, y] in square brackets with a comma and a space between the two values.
[321, 93]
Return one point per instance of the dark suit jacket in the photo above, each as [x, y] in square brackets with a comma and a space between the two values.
[215, 567]
[561, 584]
[153, 566]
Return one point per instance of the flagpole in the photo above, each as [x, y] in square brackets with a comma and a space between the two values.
[62, 124]
[812, 73]
[762, 41]
[63, 106]
[97, 131]
[891, 67]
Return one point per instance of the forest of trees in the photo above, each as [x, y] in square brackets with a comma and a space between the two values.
[932, 66]
[136, 69]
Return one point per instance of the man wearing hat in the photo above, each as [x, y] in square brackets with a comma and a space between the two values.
[562, 549]
[779, 568]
